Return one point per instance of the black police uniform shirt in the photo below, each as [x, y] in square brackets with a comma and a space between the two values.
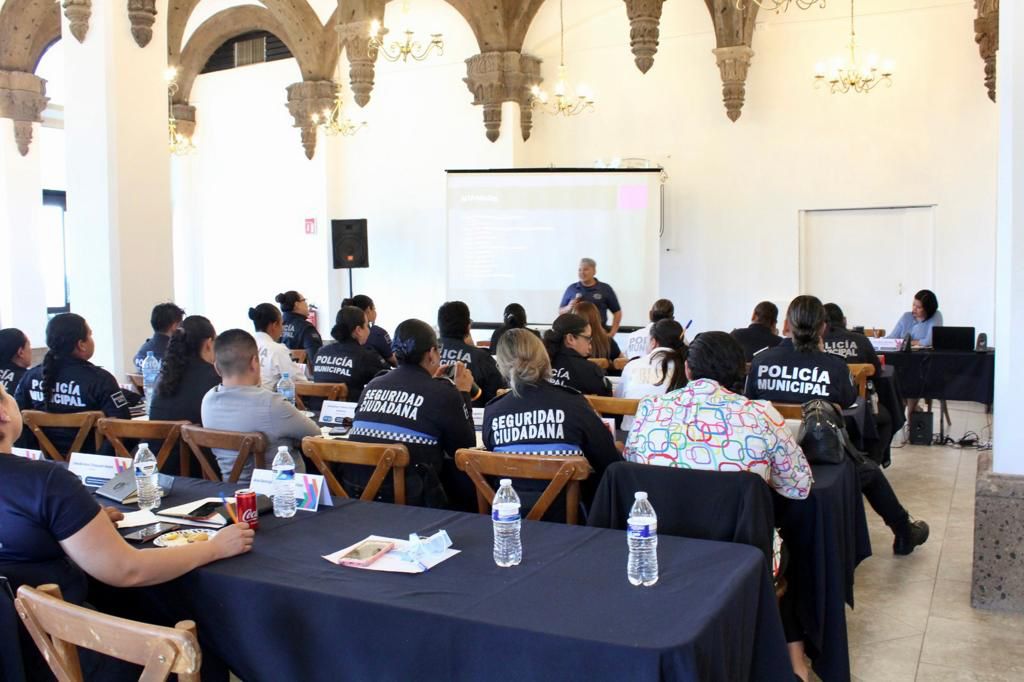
[80, 386]
[157, 343]
[478, 361]
[10, 376]
[347, 362]
[380, 341]
[754, 338]
[186, 404]
[569, 368]
[852, 347]
[600, 294]
[786, 375]
[299, 334]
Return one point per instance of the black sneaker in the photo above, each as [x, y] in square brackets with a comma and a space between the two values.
[916, 534]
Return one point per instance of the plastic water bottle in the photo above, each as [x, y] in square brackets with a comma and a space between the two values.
[150, 372]
[642, 537]
[508, 543]
[146, 485]
[286, 387]
[284, 484]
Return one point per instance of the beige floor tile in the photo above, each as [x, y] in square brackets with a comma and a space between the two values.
[910, 604]
[975, 647]
[870, 624]
[952, 600]
[891, 661]
[926, 672]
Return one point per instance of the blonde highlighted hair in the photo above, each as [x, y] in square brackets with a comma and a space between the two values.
[522, 359]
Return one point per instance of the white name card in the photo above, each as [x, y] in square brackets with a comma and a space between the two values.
[95, 470]
[27, 453]
[478, 418]
[334, 411]
[310, 489]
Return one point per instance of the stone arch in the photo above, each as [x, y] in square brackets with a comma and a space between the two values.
[498, 26]
[27, 28]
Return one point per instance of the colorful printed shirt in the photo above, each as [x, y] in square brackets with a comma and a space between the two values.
[705, 426]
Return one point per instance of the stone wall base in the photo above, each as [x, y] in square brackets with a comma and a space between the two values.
[998, 581]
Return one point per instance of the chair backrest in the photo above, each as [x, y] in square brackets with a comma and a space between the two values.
[325, 391]
[248, 445]
[626, 407]
[58, 628]
[37, 420]
[138, 382]
[729, 506]
[619, 364]
[384, 456]
[600, 362]
[789, 410]
[166, 432]
[861, 372]
[298, 356]
[561, 472]
[484, 343]
[874, 332]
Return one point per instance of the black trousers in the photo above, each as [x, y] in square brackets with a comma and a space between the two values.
[880, 450]
[881, 496]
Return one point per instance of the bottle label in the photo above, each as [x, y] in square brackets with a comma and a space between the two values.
[505, 512]
[641, 528]
[286, 475]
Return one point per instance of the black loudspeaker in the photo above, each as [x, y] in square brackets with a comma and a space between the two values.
[348, 239]
[982, 344]
[922, 428]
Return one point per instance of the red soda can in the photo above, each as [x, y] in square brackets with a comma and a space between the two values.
[245, 503]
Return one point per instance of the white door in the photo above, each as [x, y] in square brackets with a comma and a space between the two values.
[869, 261]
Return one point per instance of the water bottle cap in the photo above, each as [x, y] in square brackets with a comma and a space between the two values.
[282, 448]
[640, 495]
[149, 353]
[144, 445]
[506, 481]
[285, 375]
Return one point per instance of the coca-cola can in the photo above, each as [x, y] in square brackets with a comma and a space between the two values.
[245, 503]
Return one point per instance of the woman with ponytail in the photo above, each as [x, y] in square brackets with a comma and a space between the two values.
[297, 333]
[568, 345]
[660, 370]
[15, 357]
[348, 361]
[187, 372]
[274, 357]
[67, 382]
[514, 317]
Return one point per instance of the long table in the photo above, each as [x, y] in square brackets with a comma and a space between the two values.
[945, 375]
[282, 612]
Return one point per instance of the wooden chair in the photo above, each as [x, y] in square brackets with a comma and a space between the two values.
[248, 445]
[168, 433]
[861, 372]
[561, 472]
[483, 344]
[789, 410]
[36, 421]
[872, 332]
[324, 391]
[384, 456]
[619, 364]
[138, 382]
[298, 356]
[625, 407]
[58, 628]
[600, 362]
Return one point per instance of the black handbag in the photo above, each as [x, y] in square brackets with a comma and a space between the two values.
[823, 436]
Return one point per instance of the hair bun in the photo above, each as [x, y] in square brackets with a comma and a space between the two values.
[280, 298]
[252, 314]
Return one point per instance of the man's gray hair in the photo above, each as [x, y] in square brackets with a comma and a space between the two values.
[589, 261]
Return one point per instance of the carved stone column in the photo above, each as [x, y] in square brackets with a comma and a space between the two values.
[305, 99]
[184, 119]
[529, 69]
[355, 36]
[644, 16]
[498, 77]
[142, 15]
[78, 13]
[733, 62]
[986, 34]
[22, 99]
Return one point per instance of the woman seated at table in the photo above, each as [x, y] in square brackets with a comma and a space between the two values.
[348, 361]
[66, 382]
[187, 372]
[379, 340]
[538, 417]
[297, 332]
[15, 357]
[47, 517]
[418, 405]
[919, 321]
[601, 344]
[658, 371]
[513, 317]
[275, 359]
[568, 345]
[706, 426]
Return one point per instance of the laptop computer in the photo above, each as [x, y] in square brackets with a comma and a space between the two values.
[953, 338]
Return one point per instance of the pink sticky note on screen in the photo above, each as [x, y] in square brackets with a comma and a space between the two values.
[633, 197]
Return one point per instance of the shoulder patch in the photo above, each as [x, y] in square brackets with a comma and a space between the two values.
[118, 399]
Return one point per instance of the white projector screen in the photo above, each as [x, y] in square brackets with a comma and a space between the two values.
[517, 236]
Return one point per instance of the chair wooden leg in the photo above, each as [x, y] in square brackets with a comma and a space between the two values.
[399, 476]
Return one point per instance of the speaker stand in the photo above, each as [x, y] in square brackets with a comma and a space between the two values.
[350, 292]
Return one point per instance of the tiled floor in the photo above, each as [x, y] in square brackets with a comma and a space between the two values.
[914, 619]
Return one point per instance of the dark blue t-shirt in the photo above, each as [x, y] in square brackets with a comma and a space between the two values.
[601, 295]
[380, 341]
[158, 344]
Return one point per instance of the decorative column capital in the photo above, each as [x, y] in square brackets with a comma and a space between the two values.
[497, 77]
[644, 17]
[22, 99]
[986, 34]
[184, 119]
[78, 13]
[733, 63]
[142, 15]
[305, 99]
[355, 37]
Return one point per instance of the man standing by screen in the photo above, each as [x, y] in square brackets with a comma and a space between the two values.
[598, 293]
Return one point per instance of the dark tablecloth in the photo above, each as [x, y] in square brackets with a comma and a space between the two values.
[945, 375]
[890, 396]
[827, 536]
[568, 612]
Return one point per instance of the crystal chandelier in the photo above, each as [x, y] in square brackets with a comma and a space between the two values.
[779, 5]
[563, 104]
[396, 49]
[853, 75]
[177, 143]
[333, 122]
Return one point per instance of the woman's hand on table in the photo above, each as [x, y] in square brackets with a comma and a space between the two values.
[233, 540]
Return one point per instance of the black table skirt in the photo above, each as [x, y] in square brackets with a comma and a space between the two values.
[568, 612]
[827, 536]
[945, 375]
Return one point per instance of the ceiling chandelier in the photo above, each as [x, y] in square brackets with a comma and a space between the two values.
[332, 120]
[853, 75]
[177, 143]
[779, 5]
[397, 49]
[562, 104]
